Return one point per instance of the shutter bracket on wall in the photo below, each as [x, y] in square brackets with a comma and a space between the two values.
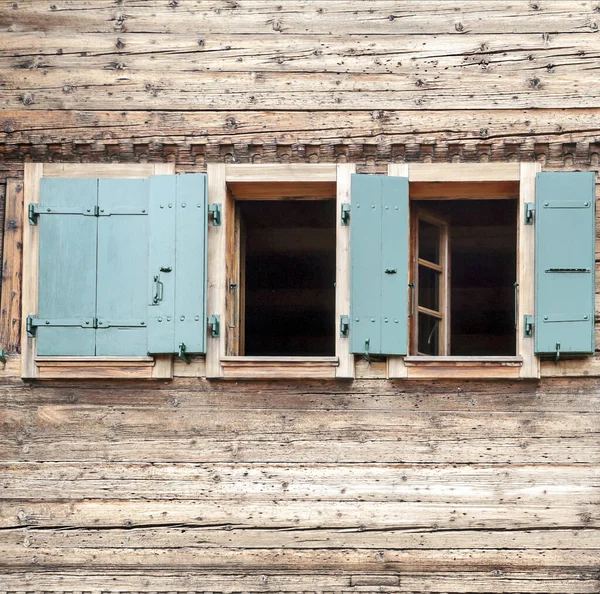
[345, 326]
[529, 211]
[345, 214]
[528, 326]
[214, 214]
[215, 326]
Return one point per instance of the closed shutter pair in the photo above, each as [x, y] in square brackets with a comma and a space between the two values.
[564, 264]
[121, 266]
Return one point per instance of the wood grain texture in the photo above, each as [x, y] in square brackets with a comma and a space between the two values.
[270, 486]
[12, 262]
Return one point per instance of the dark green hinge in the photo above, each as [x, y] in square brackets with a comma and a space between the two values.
[529, 210]
[215, 326]
[3, 356]
[33, 322]
[345, 214]
[528, 326]
[345, 326]
[214, 213]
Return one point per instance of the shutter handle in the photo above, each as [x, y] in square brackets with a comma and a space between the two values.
[391, 270]
[158, 290]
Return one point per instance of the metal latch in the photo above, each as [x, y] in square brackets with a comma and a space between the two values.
[3, 356]
[215, 326]
[183, 354]
[214, 213]
[345, 326]
[529, 210]
[345, 213]
[528, 326]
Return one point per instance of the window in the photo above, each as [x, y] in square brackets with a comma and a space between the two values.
[467, 270]
[110, 288]
[278, 267]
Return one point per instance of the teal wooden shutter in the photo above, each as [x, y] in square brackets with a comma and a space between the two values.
[67, 267]
[122, 267]
[177, 263]
[379, 265]
[564, 263]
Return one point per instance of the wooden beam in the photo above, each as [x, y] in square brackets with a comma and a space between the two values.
[464, 172]
[12, 260]
[301, 172]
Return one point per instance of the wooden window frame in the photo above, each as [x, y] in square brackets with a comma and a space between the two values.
[40, 368]
[442, 268]
[525, 365]
[222, 240]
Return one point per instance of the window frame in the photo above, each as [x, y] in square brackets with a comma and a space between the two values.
[38, 367]
[525, 364]
[220, 243]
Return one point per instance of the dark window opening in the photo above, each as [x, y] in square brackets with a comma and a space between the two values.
[481, 273]
[288, 261]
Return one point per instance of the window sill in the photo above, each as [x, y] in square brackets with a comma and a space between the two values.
[159, 367]
[279, 367]
[425, 367]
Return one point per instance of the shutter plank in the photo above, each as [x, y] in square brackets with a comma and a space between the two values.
[365, 264]
[161, 254]
[122, 267]
[565, 259]
[190, 279]
[67, 277]
[394, 286]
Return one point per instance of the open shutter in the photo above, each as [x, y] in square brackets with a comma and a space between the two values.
[564, 263]
[67, 267]
[177, 263]
[122, 267]
[379, 265]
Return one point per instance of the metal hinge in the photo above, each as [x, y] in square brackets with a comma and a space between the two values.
[528, 326]
[35, 210]
[345, 213]
[345, 326]
[214, 213]
[32, 323]
[215, 326]
[529, 210]
[3, 356]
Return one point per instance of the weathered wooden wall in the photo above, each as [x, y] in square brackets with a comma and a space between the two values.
[309, 486]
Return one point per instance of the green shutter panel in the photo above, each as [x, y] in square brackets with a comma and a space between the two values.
[122, 267]
[564, 263]
[67, 267]
[379, 265]
[177, 256]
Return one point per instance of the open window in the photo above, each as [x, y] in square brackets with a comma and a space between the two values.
[279, 271]
[464, 277]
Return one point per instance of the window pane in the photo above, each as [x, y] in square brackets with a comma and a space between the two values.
[429, 288]
[429, 242]
[428, 335]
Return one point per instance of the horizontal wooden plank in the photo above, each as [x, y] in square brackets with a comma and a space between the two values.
[224, 91]
[475, 397]
[191, 537]
[258, 17]
[356, 448]
[374, 125]
[464, 581]
[318, 172]
[555, 485]
[272, 560]
[96, 513]
[463, 172]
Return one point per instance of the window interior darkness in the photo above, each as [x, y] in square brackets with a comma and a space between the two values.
[288, 251]
[482, 273]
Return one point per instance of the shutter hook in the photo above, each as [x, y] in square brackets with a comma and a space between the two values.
[367, 355]
[557, 351]
[183, 354]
